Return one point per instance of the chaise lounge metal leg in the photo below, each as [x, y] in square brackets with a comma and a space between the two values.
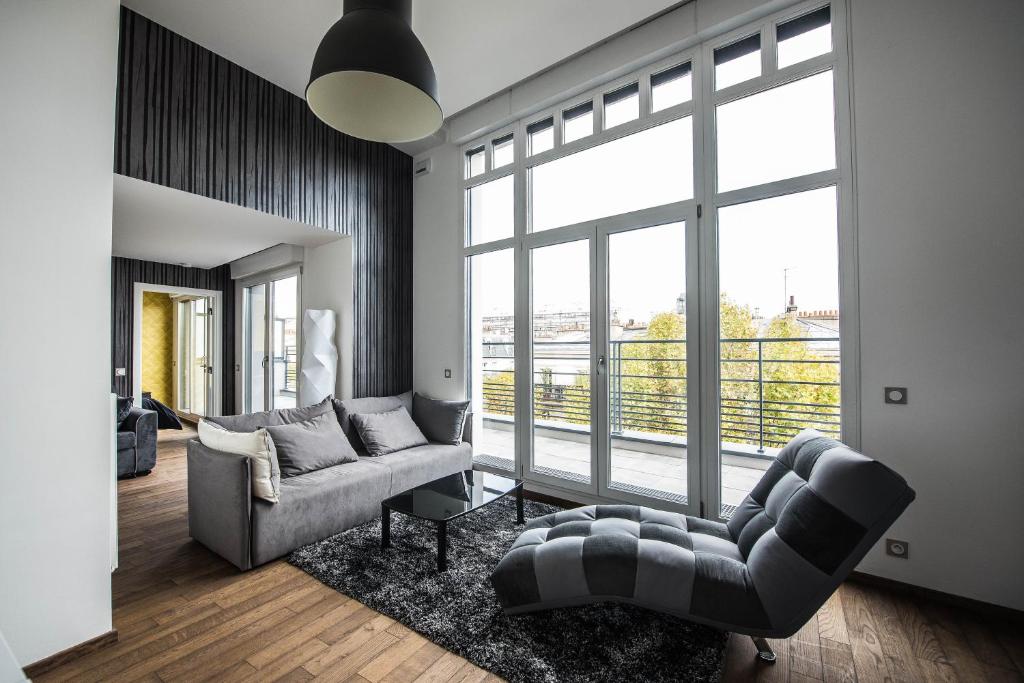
[764, 650]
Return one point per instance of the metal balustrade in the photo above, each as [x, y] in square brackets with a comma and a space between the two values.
[770, 388]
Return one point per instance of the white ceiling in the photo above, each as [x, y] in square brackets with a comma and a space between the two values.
[478, 47]
[156, 223]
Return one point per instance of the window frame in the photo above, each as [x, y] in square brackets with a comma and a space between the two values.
[706, 201]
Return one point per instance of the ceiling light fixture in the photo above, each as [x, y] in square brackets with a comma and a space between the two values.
[371, 77]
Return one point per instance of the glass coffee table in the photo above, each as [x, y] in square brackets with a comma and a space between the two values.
[448, 498]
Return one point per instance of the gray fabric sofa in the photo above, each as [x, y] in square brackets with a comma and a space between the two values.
[136, 443]
[813, 516]
[248, 532]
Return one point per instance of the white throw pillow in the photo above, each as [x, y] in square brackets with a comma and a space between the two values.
[258, 446]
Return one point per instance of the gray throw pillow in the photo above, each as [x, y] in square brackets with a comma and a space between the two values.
[250, 422]
[312, 445]
[370, 404]
[440, 421]
[384, 433]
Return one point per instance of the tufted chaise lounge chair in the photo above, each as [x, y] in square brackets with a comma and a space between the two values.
[813, 516]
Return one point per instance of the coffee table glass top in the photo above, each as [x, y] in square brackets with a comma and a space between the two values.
[452, 496]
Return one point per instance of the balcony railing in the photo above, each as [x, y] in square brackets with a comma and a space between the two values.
[770, 388]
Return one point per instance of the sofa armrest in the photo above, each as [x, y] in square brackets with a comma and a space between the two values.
[135, 416]
[220, 502]
[467, 428]
[145, 426]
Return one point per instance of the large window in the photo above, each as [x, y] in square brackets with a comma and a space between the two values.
[492, 350]
[656, 272]
[648, 168]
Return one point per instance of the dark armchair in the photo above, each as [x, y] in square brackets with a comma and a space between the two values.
[136, 443]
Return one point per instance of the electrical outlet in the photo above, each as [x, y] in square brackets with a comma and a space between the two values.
[447, 373]
[896, 395]
[898, 549]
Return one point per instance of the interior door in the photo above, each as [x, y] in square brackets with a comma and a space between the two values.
[194, 336]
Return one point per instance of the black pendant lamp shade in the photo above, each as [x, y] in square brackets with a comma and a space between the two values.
[371, 77]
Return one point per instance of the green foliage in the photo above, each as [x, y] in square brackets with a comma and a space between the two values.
[648, 386]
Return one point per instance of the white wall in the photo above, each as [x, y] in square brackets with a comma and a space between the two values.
[327, 284]
[940, 176]
[57, 74]
[438, 340]
[940, 167]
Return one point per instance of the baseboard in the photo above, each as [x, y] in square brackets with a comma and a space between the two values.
[64, 656]
[978, 606]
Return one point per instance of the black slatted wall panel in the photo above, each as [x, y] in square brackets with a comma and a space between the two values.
[189, 119]
[126, 272]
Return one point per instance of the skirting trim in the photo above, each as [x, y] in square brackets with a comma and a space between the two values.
[64, 656]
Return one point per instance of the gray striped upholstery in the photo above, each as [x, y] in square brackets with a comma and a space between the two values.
[811, 518]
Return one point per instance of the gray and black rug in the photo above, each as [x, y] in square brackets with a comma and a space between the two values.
[458, 611]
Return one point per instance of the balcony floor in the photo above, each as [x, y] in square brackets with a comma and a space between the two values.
[661, 471]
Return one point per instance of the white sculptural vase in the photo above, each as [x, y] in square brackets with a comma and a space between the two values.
[319, 357]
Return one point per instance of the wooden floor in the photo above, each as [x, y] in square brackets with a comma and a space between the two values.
[185, 614]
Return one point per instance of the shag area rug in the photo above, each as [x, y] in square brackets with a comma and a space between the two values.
[458, 610]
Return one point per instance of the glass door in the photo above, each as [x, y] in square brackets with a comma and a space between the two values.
[648, 426]
[254, 351]
[194, 369]
[561, 362]
[284, 340]
[270, 344]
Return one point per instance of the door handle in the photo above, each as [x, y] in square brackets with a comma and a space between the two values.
[264, 363]
[600, 365]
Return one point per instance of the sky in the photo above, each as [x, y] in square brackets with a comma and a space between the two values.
[768, 249]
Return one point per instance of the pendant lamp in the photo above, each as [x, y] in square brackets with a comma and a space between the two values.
[371, 77]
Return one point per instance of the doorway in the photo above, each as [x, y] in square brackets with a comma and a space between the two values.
[270, 342]
[190, 338]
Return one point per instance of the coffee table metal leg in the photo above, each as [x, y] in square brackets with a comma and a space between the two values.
[442, 546]
[519, 505]
[385, 526]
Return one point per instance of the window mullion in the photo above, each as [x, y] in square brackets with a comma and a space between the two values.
[769, 53]
[707, 351]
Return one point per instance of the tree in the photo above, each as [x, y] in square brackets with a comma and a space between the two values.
[648, 387]
[802, 384]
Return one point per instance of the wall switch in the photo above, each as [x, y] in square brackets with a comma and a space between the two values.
[896, 395]
[120, 372]
[900, 549]
[447, 373]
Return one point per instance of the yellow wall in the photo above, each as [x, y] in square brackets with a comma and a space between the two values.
[158, 346]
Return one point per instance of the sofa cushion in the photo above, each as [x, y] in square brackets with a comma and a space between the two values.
[257, 446]
[317, 505]
[414, 466]
[371, 404]
[388, 432]
[253, 421]
[440, 421]
[125, 440]
[312, 445]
